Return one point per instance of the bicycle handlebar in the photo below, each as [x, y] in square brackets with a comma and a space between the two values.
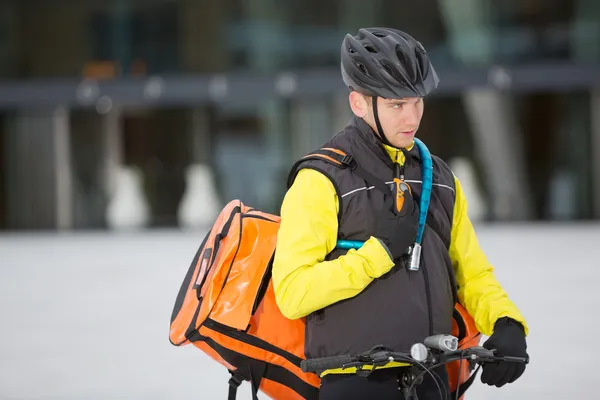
[324, 363]
[475, 354]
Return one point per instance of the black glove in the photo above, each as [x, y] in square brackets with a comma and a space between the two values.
[509, 340]
[398, 231]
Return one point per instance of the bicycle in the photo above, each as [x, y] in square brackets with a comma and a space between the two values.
[435, 351]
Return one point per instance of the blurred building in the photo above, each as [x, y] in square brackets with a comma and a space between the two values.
[88, 88]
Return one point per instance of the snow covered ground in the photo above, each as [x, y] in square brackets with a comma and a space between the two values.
[86, 315]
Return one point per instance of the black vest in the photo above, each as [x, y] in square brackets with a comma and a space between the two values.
[402, 307]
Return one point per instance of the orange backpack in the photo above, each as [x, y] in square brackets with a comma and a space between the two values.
[463, 327]
[226, 307]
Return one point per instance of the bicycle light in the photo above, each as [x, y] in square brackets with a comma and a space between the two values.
[418, 352]
[442, 342]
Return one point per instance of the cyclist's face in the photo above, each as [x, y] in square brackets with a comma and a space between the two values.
[399, 118]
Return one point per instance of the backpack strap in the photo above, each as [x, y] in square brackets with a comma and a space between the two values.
[340, 159]
[331, 156]
[255, 370]
[234, 382]
[463, 388]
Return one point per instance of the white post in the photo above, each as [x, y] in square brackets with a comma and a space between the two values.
[200, 203]
[595, 124]
[498, 141]
[63, 168]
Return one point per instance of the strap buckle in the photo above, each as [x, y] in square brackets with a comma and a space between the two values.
[236, 380]
[349, 161]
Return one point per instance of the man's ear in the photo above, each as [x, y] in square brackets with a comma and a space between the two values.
[358, 104]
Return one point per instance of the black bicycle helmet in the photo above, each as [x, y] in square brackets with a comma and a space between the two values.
[387, 63]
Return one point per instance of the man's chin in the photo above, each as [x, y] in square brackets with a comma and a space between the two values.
[405, 142]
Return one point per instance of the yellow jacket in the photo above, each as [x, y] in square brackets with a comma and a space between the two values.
[305, 283]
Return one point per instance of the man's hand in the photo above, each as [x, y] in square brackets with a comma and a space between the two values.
[508, 339]
[398, 231]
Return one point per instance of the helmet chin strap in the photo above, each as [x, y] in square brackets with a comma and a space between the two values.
[379, 134]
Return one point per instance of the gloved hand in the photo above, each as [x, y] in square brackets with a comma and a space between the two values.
[398, 231]
[509, 340]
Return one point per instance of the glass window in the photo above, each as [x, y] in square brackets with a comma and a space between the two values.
[130, 37]
[557, 137]
[156, 142]
[250, 153]
[142, 37]
[270, 35]
[67, 38]
[9, 39]
[3, 171]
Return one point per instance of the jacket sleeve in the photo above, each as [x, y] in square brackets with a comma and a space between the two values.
[302, 280]
[478, 289]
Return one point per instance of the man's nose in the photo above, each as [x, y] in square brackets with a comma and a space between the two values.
[411, 117]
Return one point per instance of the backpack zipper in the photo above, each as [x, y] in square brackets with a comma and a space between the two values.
[255, 305]
[264, 283]
[257, 217]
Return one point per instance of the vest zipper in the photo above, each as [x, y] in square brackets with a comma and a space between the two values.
[428, 294]
[399, 170]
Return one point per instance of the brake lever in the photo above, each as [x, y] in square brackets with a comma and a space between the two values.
[375, 362]
[471, 355]
[481, 354]
[357, 364]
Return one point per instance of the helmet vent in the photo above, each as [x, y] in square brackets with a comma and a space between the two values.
[370, 48]
[393, 72]
[401, 56]
[423, 65]
[380, 34]
[388, 68]
[362, 68]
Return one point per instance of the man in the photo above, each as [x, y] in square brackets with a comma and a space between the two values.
[356, 299]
